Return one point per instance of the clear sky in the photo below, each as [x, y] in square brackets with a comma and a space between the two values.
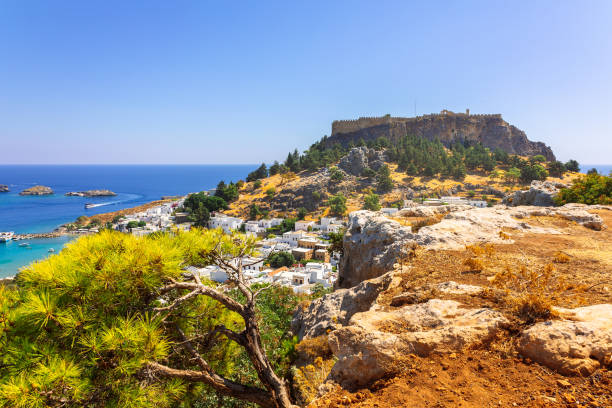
[245, 81]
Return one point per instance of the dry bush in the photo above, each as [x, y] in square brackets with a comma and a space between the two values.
[477, 250]
[561, 257]
[424, 222]
[474, 264]
[531, 293]
[503, 235]
[308, 379]
[309, 349]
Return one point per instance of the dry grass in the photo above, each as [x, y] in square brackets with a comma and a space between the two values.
[561, 257]
[309, 349]
[424, 222]
[474, 264]
[308, 379]
[531, 293]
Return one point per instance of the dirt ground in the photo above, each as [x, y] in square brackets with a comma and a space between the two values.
[494, 374]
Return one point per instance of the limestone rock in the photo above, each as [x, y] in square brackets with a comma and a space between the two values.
[335, 309]
[359, 158]
[540, 193]
[576, 345]
[37, 190]
[431, 210]
[424, 293]
[572, 212]
[371, 346]
[475, 225]
[4, 188]
[91, 193]
[372, 245]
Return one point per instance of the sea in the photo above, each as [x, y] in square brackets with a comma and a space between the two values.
[134, 185]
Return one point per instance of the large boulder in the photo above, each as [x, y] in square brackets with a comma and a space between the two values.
[540, 193]
[372, 245]
[572, 212]
[335, 309]
[374, 342]
[360, 158]
[577, 344]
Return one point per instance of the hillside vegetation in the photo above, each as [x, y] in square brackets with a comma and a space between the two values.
[416, 168]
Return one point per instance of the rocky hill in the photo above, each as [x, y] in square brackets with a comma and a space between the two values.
[91, 193]
[491, 130]
[37, 190]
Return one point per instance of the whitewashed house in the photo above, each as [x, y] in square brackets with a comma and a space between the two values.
[304, 225]
[228, 224]
[292, 237]
[389, 211]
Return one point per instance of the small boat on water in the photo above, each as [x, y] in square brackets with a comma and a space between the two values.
[51, 250]
[90, 205]
[6, 236]
[24, 244]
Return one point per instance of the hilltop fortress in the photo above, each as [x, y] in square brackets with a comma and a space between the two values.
[490, 129]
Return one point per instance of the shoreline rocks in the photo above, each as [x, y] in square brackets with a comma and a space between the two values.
[4, 188]
[91, 193]
[37, 190]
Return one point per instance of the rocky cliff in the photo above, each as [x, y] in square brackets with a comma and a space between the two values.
[491, 130]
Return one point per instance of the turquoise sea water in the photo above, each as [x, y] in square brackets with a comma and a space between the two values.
[134, 185]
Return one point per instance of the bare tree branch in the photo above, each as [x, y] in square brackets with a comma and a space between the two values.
[220, 384]
[208, 291]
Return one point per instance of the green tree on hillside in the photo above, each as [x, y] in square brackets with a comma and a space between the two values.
[384, 182]
[556, 168]
[337, 204]
[572, 165]
[228, 192]
[371, 202]
[261, 172]
[533, 172]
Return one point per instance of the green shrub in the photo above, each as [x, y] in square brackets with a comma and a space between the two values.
[589, 189]
[371, 202]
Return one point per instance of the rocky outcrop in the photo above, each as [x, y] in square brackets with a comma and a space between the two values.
[374, 342]
[37, 190]
[91, 193]
[490, 130]
[540, 193]
[335, 310]
[4, 188]
[373, 243]
[576, 345]
[360, 158]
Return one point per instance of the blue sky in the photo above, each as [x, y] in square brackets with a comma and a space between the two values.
[245, 82]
